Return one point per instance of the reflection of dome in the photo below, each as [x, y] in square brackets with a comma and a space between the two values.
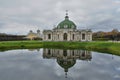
[66, 64]
[66, 59]
[66, 24]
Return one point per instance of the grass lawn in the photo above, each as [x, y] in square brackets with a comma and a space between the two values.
[106, 47]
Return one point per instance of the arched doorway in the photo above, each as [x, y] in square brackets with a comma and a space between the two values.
[49, 36]
[65, 36]
[83, 36]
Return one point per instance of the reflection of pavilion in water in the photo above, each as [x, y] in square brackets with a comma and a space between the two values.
[67, 58]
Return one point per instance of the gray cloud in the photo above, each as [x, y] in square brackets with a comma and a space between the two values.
[20, 16]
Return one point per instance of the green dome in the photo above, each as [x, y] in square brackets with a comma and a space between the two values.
[66, 64]
[66, 24]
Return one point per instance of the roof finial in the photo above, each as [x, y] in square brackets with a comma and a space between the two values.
[66, 12]
[66, 17]
[65, 74]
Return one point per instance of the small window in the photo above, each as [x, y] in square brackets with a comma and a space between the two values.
[49, 53]
[49, 36]
[83, 54]
[58, 36]
[73, 53]
[65, 26]
[58, 26]
[65, 53]
[73, 36]
[83, 36]
[72, 26]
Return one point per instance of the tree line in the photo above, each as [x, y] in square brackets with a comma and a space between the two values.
[113, 35]
[9, 37]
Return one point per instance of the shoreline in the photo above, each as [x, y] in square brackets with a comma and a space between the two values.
[99, 46]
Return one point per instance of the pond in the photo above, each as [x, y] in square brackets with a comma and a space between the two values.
[58, 64]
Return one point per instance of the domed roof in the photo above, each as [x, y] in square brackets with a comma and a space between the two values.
[66, 24]
[66, 64]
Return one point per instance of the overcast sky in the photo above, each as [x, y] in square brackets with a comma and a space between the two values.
[20, 16]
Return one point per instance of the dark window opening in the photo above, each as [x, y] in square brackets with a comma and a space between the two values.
[83, 36]
[58, 36]
[49, 36]
[83, 54]
[65, 36]
[72, 53]
[49, 52]
[65, 53]
[73, 36]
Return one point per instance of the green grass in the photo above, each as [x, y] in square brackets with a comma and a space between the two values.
[8, 45]
[105, 47]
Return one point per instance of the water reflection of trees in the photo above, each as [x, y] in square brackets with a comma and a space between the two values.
[67, 58]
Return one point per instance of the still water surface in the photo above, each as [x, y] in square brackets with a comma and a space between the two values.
[57, 64]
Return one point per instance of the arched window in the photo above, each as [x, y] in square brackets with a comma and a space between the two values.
[72, 26]
[49, 36]
[65, 26]
[83, 54]
[83, 36]
[49, 53]
[58, 36]
[58, 26]
[65, 36]
[65, 53]
[73, 36]
[73, 53]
